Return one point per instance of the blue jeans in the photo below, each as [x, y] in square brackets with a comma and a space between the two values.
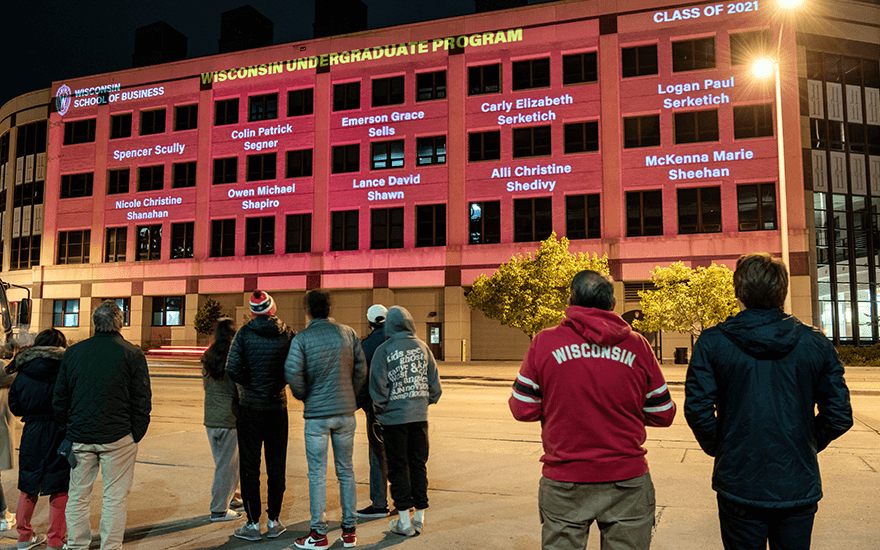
[340, 431]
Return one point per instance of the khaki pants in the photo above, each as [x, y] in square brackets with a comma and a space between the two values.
[116, 461]
[624, 511]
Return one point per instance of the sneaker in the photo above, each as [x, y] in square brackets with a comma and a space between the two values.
[409, 531]
[7, 523]
[249, 531]
[417, 525]
[314, 540]
[349, 538]
[236, 503]
[373, 512]
[274, 528]
[228, 515]
[36, 540]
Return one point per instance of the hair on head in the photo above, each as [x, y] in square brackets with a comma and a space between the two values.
[51, 337]
[107, 317]
[760, 281]
[317, 303]
[214, 358]
[592, 289]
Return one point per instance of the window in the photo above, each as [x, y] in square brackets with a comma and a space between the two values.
[431, 225]
[259, 236]
[151, 178]
[431, 150]
[222, 238]
[115, 244]
[752, 121]
[699, 210]
[485, 79]
[226, 112]
[531, 142]
[182, 240]
[696, 126]
[386, 228]
[149, 242]
[77, 185]
[344, 230]
[745, 47]
[532, 219]
[79, 131]
[65, 313]
[579, 68]
[386, 154]
[301, 102]
[117, 181]
[125, 306]
[186, 117]
[532, 73]
[641, 131]
[484, 146]
[298, 233]
[582, 217]
[388, 91]
[73, 247]
[299, 163]
[152, 122]
[430, 86]
[346, 158]
[691, 55]
[639, 61]
[644, 213]
[120, 126]
[225, 170]
[184, 174]
[168, 311]
[581, 137]
[262, 107]
[347, 96]
[484, 223]
[757, 206]
[261, 167]
[25, 252]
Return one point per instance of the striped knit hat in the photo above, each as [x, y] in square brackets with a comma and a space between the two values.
[262, 303]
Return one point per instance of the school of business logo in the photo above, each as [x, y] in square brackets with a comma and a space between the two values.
[62, 99]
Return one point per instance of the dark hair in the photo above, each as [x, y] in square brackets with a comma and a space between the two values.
[214, 358]
[51, 337]
[592, 289]
[317, 303]
[760, 281]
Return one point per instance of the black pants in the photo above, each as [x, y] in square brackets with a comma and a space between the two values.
[406, 453]
[258, 429]
[745, 527]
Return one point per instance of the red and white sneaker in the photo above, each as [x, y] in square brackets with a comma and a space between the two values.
[349, 538]
[314, 540]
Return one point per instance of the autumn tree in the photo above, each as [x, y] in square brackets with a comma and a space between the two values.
[529, 293]
[206, 317]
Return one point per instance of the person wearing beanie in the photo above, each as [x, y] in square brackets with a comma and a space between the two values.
[256, 364]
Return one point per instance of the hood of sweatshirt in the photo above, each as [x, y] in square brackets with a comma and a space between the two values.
[597, 326]
[762, 333]
[399, 323]
[267, 326]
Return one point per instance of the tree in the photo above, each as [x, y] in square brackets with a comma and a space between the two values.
[530, 293]
[206, 317]
[687, 300]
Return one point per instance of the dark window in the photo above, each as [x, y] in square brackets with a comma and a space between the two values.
[386, 228]
[31, 139]
[344, 230]
[120, 126]
[117, 240]
[484, 222]
[532, 219]
[347, 96]
[65, 313]
[644, 213]
[430, 86]
[222, 238]
[346, 158]
[301, 102]
[73, 247]
[79, 131]
[579, 68]
[225, 170]
[757, 206]
[226, 112]
[641, 131]
[484, 146]
[532, 73]
[152, 122]
[298, 234]
[299, 163]
[531, 142]
[639, 60]
[149, 242]
[262, 107]
[182, 240]
[582, 217]
[431, 150]
[259, 236]
[691, 55]
[485, 79]
[746, 47]
[168, 311]
[752, 121]
[151, 178]
[431, 225]
[386, 154]
[186, 117]
[77, 185]
[581, 137]
[117, 181]
[388, 91]
[696, 126]
[699, 210]
[184, 174]
[25, 252]
[261, 167]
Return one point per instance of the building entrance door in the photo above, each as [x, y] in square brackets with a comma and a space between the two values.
[435, 336]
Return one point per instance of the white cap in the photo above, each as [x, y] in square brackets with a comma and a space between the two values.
[376, 313]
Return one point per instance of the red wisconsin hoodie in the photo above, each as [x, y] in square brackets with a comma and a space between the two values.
[594, 384]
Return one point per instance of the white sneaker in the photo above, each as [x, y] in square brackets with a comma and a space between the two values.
[8, 522]
[36, 540]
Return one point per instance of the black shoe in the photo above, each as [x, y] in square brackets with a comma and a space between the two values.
[372, 512]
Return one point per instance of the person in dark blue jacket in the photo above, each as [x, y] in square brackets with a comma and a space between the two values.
[753, 386]
[378, 507]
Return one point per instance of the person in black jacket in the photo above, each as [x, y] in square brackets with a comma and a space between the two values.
[753, 385]
[41, 470]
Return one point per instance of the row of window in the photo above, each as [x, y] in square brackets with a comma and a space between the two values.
[166, 311]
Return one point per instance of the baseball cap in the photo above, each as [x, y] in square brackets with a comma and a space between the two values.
[376, 313]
